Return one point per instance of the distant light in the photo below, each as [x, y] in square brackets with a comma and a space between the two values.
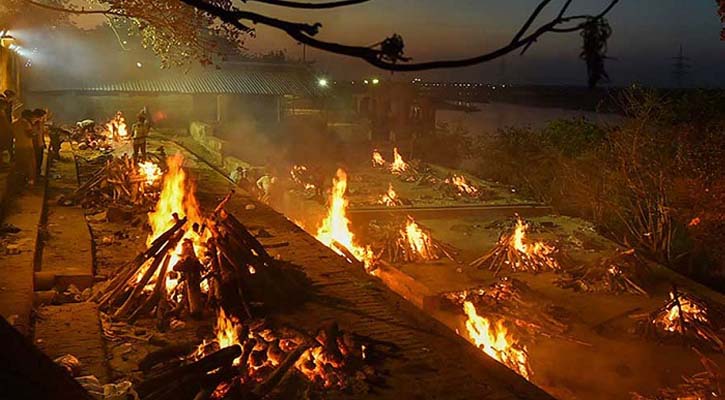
[366, 81]
[322, 82]
[138, 64]
[376, 81]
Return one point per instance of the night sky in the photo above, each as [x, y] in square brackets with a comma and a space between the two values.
[647, 34]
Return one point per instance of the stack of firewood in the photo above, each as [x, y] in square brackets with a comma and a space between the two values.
[705, 385]
[622, 273]
[266, 363]
[237, 267]
[118, 180]
[684, 317]
[514, 301]
[392, 243]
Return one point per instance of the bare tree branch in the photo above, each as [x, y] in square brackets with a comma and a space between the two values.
[312, 6]
[304, 33]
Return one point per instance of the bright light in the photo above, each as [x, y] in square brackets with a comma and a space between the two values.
[322, 82]
[376, 81]
[138, 64]
[366, 81]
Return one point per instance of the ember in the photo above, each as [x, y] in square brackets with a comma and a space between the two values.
[516, 254]
[378, 160]
[334, 232]
[301, 176]
[496, 341]
[618, 274]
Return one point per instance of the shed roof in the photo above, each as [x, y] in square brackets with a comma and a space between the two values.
[240, 80]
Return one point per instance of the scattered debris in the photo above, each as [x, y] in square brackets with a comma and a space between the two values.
[622, 273]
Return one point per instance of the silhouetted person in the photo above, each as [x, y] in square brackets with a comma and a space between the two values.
[23, 132]
[141, 131]
[40, 116]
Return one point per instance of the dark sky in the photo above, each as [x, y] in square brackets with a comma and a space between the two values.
[647, 33]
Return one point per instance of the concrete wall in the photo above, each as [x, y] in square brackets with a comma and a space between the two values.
[203, 134]
[167, 110]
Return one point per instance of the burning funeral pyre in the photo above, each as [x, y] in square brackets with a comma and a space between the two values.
[622, 273]
[515, 253]
[90, 135]
[494, 339]
[334, 231]
[512, 300]
[119, 180]
[407, 242]
[116, 128]
[378, 160]
[462, 186]
[686, 318]
[391, 198]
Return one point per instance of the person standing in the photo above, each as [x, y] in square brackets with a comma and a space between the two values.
[141, 131]
[40, 116]
[23, 132]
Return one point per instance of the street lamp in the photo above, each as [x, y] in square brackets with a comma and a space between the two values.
[322, 82]
[376, 81]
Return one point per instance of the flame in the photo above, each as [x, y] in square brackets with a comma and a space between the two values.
[317, 365]
[390, 198]
[694, 222]
[462, 185]
[398, 165]
[336, 226]
[538, 250]
[177, 196]
[496, 341]
[378, 160]
[149, 171]
[672, 320]
[418, 240]
[117, 126]
[225, 330]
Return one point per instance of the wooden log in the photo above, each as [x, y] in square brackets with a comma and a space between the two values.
[266, 386]
[170, 244]
[159, 290]
[218, 359]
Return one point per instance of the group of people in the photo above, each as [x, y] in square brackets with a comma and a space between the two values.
[23, 138]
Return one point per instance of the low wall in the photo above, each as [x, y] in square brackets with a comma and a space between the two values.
[203, 134]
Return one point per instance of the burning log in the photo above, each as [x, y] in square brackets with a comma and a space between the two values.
[191, 268]
[512, 253]
[621, 273]
[685, 317]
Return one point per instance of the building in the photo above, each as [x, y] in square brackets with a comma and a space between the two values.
[260, 94]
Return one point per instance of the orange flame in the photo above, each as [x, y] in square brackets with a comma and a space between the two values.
[539, 250]
[226, 332]
[149, 171]
[418, 240]
[390, 198]
[317, 365]
[672, 321]
[462, 185]
[117, 127]
[378, 160]
[398, 166]
[336, 226]
[177, 196]
[496, 341]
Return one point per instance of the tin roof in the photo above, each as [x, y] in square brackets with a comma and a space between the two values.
[243, 80]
